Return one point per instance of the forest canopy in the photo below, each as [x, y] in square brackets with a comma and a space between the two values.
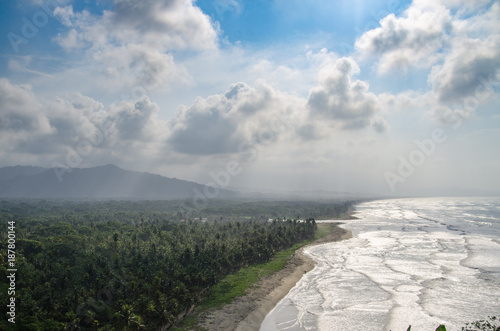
[135, 265]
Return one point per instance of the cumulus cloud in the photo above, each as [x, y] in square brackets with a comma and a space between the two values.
[415, 39]
[205, 129]
[135, 120]
[20, 110]
[380, 125]
[470, 72]
[457, 40]
[120, 126]
[307, 132]
[168, 25]
[465, 81]
[134, 66]
[30, 127]
[471, 63]
[132, 43]
[339, 98]
[50, 130]
[220, 123]
[173, 24]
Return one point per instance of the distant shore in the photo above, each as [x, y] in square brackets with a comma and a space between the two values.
[247, 312]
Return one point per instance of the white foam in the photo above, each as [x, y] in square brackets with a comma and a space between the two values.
[413, 261]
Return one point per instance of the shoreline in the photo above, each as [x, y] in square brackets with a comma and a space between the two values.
[246, 313]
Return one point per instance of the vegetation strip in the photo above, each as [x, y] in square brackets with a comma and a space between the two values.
[239, 284]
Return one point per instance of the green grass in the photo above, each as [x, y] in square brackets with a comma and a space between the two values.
[324, 229]
[237, 284]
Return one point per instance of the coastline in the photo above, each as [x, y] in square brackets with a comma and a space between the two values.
[246, 313]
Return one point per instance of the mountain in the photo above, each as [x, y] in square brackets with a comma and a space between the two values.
[8, 173]
[104, 182]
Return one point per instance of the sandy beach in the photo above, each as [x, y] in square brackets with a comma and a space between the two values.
[247, 312]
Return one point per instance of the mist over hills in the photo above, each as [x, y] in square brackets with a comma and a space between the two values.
[112, 182]
[104, 182]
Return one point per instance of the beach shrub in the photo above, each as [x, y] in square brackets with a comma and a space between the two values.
[440, 328]
[490, 324]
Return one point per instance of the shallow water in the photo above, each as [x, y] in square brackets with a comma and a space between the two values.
[419, 262]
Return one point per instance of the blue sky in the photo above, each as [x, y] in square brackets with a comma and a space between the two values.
[263, 22]
[183, 88]
[254, 24]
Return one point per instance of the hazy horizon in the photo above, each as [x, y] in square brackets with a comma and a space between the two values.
[386, 97]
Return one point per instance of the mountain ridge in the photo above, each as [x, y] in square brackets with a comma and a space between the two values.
[101, 182]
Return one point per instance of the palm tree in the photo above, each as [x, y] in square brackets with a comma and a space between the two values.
[127, 320]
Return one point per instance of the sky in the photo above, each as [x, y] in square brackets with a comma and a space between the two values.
[378, 97]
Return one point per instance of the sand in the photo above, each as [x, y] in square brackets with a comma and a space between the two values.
[247, 312]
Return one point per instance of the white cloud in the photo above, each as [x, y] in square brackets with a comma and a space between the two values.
[29, 127]
[65, 15]
[20, 111]
[26, 127]
[175, 24]
[415, 39]
[70, 41]
[219, 124]
[346, 102]
[167, 25]
[132, 66]
[132, 44]
[322, 58]
[458, 41]
[470, 73]
[137, 120]
[310, 117]
[22, 63]
[282, 75]
[471, 62]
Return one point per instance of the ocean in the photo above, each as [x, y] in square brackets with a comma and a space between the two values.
[420, 262]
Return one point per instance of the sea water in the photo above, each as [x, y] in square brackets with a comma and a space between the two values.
[420, 262]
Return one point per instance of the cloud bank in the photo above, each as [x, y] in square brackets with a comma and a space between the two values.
[309, 111]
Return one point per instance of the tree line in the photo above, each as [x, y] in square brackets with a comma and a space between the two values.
[96, 266]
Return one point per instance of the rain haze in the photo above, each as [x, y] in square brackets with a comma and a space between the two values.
[379, 97]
